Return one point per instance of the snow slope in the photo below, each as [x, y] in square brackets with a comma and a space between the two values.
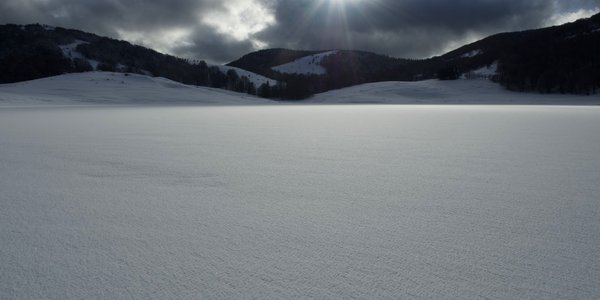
[306, 65]
[69, 51]
[476, 91]
[300, 202]
[115, 88]
[258, 80]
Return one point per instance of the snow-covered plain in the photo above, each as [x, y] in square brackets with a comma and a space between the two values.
[367, 201]
[195, 200]
[474, 91]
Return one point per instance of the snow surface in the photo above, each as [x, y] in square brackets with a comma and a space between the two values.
[306, 65]
[258, 80]
[272, 202]
[476, 91]
[116, 88]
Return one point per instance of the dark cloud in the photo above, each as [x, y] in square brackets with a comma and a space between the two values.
[406, 28]
[145, 20]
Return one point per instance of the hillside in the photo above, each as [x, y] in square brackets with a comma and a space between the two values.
[35, 51]
[433, 91]
[116, 88]
[560, 59]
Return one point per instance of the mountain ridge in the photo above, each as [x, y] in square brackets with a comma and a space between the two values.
[558, 59]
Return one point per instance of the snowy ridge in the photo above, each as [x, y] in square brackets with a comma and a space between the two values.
[115, 88]
[256, 79]
[306, 65]
[475, 91]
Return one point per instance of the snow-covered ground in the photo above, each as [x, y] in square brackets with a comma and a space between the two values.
[116, 88]
[475, 91]
[306, 65]
[371, 202]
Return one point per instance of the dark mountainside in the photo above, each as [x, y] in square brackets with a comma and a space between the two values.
[560, 59]
[34, 51]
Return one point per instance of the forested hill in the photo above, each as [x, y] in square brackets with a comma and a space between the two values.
[36, 51]
[559, 59]
[339, 68]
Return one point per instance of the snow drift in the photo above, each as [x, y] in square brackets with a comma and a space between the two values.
[116, 88]
[475, 91]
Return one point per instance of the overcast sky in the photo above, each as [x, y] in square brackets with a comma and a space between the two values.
[223, 30]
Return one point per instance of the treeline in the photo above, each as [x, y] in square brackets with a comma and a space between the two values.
[26, 55]
[34, 51]
[344, 68]
[562, 59]
[568, 65]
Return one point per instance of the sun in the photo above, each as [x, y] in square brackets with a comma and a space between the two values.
[341, 2]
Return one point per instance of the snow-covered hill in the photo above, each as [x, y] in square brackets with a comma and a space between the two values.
[306, 65]
[115, 88]
[476, 91]
[258, 80]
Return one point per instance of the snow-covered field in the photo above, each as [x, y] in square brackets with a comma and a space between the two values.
[116, 88]
[398, 202]
[475, 91]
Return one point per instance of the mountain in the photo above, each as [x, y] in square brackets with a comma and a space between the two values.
[36, 51]
[309, 72]
[559, 59]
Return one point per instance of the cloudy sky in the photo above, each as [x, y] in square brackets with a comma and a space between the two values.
[223, 30]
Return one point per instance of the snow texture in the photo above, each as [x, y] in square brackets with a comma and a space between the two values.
[115, 88]
[275, 202]
[475, 91]
[306, 65]
[258, 80]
